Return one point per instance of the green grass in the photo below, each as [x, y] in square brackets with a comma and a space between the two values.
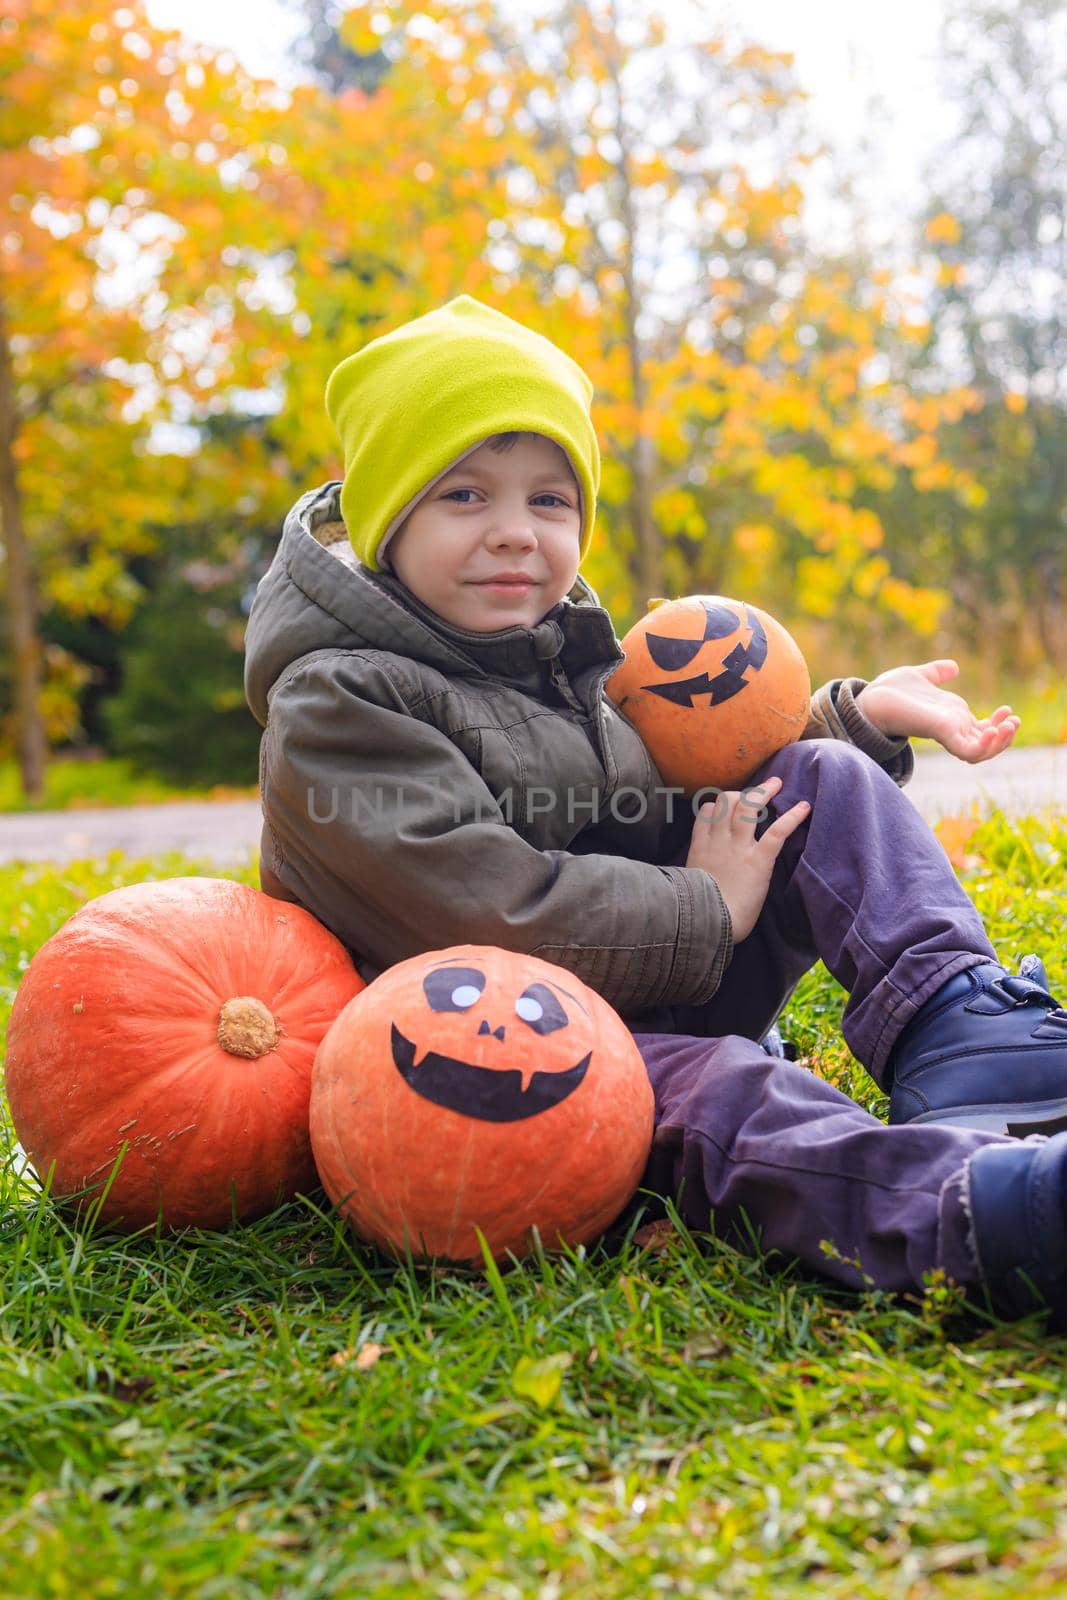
[107, 782]
[191, 1417]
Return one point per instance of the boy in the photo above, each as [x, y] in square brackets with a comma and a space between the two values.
[440, 766]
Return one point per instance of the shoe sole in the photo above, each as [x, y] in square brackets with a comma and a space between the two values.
[1017, 1121]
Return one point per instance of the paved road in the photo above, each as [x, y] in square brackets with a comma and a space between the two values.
[1029, 780]
[226, 832]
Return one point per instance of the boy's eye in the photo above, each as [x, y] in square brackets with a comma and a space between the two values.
[547, 495]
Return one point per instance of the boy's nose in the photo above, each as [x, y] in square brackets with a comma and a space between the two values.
[514, 529]
[515, 539]
[497, 1033]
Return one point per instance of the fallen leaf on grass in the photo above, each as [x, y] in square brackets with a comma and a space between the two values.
[656, 1235]
[364, 1359]
[539, 1380]
[954, 834]
[133, 1389]
[704, 1349]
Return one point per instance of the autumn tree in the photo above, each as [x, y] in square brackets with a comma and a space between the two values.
[994, 228]
[320, 50]
[187, 246]
[655, 183]
[392, 197]
[127, 158]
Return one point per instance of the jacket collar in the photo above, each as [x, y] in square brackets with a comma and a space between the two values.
[383, 614]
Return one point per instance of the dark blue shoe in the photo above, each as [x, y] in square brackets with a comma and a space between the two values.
[1016, 1195]
[988, 1050]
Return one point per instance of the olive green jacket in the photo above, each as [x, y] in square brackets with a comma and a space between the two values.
[425, 786]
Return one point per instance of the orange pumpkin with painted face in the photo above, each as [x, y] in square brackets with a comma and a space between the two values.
[476, 1087]
[714, 687]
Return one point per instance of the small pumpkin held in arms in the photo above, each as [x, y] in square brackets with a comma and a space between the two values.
[476, 1088]
[714, 686]
[174, 1024]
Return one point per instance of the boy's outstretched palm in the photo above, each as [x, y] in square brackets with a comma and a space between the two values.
[906, 702]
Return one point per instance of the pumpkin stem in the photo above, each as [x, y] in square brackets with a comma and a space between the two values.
[247, 1028]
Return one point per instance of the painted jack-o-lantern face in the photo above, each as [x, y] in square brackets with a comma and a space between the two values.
[479, 1088]
[507, 1033]
[671, 654]
[748, 697]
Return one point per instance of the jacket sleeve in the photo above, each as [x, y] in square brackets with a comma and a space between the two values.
[835, 715]
[382, 828]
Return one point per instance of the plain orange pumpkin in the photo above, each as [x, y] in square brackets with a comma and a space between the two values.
[180, 1018]
[714, 687]
[477, 1087]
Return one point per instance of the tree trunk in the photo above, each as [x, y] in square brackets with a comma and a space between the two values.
[26, 655]
[1048, 611]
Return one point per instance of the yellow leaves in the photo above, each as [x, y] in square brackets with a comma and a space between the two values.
[1015, 402]
[656, 170]
[100, 587]
[924, 413]
[726, 288]
[614, 480]
[761, 341]
[950, 273]
[942, 229]
[973, 495]
[920, 608]
[866, 579]
[918, 452]
[868, 528]
[592, 170]
[939, 475]
[819, 585]
[675, 510]
[540, 1379]
[755, 539]
[65, 678]
[954, 834]
[356, 30]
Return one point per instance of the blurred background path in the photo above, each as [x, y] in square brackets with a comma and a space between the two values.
[227, 832]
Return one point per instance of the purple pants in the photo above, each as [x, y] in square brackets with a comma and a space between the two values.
[864, 885]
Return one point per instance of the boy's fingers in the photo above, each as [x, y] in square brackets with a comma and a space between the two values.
[787, 823]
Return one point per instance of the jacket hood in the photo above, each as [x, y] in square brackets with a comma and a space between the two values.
[317, 595]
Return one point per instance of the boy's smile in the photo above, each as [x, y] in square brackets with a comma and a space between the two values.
[495, 543]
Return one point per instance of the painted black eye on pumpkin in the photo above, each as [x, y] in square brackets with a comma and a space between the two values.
[540, 1010]
[669, 654]
[453, 988]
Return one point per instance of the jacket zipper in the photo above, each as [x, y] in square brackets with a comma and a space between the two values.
[598, 712]
[559, 678]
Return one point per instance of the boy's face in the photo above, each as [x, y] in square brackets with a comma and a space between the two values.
[495, 515]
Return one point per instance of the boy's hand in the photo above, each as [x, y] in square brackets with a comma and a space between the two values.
[906, 701]
[724, 843]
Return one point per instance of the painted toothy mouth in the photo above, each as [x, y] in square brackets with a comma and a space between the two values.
[482, 1092]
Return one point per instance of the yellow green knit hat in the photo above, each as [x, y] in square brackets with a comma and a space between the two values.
[412, 403]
